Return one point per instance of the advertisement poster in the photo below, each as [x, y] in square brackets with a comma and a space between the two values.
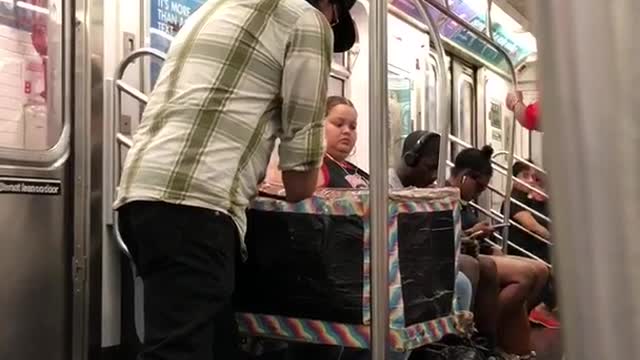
[167, 16]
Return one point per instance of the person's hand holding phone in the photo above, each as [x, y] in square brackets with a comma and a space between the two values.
[480, 230]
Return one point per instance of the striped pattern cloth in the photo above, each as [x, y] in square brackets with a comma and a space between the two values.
[238, 75]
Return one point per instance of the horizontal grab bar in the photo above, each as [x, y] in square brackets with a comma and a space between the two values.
[124, 140]
[135, 93]
[500, 168]
[493, 189]
[536, 167]
[502, 171]
[494, 215]
[544, 217]
[135, 55]
[519, 226]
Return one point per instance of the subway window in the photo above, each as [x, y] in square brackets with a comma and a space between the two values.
[340, 59]
[336, 86]
[30, 74]
[432, 99]
[466, 112]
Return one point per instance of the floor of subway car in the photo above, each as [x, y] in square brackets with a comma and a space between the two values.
[546, 342]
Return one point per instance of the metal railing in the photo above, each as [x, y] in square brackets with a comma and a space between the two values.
[119, 139]
[501, 218]
[514, 79]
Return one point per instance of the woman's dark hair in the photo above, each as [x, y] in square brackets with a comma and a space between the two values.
[333, 101]
[475, 161]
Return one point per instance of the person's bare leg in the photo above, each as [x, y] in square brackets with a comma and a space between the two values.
[541, 274]
[486, 304]
[516, 281]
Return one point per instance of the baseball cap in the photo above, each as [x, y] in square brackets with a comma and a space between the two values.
[344, 28]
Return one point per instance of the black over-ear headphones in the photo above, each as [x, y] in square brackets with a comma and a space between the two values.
[412, 156]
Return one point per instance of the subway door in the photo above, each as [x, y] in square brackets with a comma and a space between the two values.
[36, 189]
[126, 21]
[497, 122]
[463, 101]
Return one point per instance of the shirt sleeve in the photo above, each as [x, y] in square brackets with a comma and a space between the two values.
[305, 77]
[531, 117]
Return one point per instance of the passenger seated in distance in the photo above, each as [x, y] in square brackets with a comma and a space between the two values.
[523, 216]
[537, 225]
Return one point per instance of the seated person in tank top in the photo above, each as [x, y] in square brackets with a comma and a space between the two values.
[523, 216]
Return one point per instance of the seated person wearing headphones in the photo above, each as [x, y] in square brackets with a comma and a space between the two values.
[418, 168]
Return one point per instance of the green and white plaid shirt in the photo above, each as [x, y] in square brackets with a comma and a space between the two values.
[238, 75]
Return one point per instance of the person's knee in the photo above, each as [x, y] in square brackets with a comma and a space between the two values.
[470, 268]
[488, 268]
[526, 277]
[542, 272]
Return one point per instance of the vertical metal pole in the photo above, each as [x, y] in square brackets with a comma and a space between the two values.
[506, 211]
[378, 130]
[511, 141]
[444, 96]
[588, 55]
[489, 20]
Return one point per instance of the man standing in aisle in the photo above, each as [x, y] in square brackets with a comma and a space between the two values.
[238, 74]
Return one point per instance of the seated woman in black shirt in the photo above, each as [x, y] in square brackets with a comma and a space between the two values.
[518, 277]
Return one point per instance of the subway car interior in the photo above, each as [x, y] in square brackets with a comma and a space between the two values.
[75, 76]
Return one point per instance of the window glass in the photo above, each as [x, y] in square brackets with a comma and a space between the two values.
[30, 74]
[466, 112]
[400, 117]
[432, 98]
[339, 58]
[464, 126]
[336, 87]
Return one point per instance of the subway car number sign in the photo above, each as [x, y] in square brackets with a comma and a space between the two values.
[47, 187]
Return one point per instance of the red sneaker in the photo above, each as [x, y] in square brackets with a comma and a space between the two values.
[542, 316]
